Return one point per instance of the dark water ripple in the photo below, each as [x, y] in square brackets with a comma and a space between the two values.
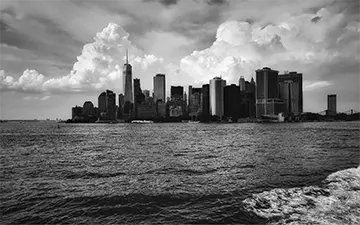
[161, 173]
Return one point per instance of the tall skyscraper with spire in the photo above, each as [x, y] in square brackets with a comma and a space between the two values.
[127, 81]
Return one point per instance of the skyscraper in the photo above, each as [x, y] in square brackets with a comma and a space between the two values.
[267, 93]
[250, 86]
[194, 101]
[232, 102]
[110, 105]
[121, 101]
[217, 96]
[121, 106]
[242, 84]
[189, 91]
[331, 105]
[289, 92]
[159, 87]
[177, 103]
[138, 95]
[102, 102]
[107, 106]
[297, 96]
[267, 83]
[88, 109]
[205, 101]
[127, 81]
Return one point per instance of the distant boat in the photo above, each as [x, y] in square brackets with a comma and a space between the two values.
[142, 121]
[194, 121]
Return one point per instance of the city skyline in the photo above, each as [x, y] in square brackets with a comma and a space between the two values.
[276, 96]
[46, 60]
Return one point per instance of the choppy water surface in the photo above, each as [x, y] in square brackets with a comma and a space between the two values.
[162, 173]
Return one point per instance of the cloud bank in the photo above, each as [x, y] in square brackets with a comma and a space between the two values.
[304, 43]
[98, 67]
[316, 44]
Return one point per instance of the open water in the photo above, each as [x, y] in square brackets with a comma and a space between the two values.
[162, 173]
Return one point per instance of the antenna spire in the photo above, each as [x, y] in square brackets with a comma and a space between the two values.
[127, 56]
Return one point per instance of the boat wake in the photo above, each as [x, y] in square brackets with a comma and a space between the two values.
[336, 201]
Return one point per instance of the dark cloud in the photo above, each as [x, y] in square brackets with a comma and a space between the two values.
[164, 2]
[4, 26]
[56, 44]
[315, 19]
[174, 2]
[12, 37]
[7, 12]
[216, 2]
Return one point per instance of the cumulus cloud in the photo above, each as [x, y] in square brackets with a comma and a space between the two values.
[29, 81]
[311, 43]
[296, 43]
[98, 67]
[100, 64]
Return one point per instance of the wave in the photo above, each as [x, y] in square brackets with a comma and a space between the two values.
[178, 171]
[335, 201]
[126, 208]
[90, 175]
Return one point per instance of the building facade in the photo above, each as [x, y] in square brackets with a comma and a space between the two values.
[88, 109]
[159, 87]
[267, 93]
[295, 101]
[194, 104]
[289, 92]
[331, 105]
[102, 102]
[232, 102]
[76, 111]
[217, 97]
[161, 109]
[139, 97]
[242, 84]
[177, 92]
[146, 111]
[107, 106]
[205, 101]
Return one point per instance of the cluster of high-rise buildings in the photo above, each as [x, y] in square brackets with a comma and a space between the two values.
[278, 93]
[271, 94]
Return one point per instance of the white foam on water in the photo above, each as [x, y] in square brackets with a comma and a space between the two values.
[337, 201]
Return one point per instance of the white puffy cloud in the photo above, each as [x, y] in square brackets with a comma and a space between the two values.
[299, 42]
[101, 62]
[98, 67]
[29, 81]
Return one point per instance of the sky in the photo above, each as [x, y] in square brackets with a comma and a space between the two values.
[55, 54]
